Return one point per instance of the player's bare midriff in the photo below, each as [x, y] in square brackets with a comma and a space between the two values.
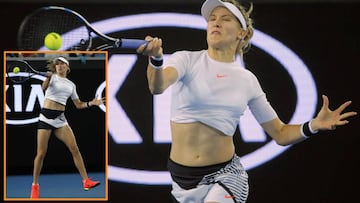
[196, 144]
[50, 104]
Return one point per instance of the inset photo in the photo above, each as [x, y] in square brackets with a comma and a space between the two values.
[55, 125]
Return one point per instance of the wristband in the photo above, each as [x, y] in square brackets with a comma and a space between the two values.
[306, 130]
[156, 62]
[311, 130]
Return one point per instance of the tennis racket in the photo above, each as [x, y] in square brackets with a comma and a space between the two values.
[76, 32]
[19, 71]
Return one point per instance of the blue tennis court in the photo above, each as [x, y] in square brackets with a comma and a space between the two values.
[56, 186]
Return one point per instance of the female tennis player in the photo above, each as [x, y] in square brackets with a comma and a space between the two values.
[210, 91]
[58, 89]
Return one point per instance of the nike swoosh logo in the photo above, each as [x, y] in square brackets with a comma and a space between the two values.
[229, 196]
[220, 75]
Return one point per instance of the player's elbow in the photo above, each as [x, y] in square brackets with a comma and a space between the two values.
[157, 88]
[44, 87]
[281, 142]
[280, 138]
[78, 104]
[154, 90]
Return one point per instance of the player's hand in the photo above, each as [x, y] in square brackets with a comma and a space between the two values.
[49, 74]
[98, 101]
[153, 48]
[328, 119]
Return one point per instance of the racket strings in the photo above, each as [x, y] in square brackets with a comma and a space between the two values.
[23, 74]
[74, 34]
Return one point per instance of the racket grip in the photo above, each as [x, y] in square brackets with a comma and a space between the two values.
[43, 73]
[132, 43]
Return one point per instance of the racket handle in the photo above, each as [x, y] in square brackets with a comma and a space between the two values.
[43, 73]
[132, 43]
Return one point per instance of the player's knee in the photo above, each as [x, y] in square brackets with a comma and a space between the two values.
[41, 154]
[74, 149]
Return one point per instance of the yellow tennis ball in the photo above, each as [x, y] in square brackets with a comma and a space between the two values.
[16, 69]
[53, 41]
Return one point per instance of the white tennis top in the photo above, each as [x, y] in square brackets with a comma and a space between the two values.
[60, 89]
[215, 93]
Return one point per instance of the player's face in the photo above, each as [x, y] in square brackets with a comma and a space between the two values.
[61, 67]
[223, 29]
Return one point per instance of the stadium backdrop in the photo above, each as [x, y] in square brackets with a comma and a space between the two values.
[323, 35]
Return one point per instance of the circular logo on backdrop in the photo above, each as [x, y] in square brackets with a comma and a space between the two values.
[25, 100]
[137, 136]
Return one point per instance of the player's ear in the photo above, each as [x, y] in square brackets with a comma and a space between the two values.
[242, 33]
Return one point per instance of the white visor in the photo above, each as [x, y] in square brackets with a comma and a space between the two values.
[60, 58]
[209, 5]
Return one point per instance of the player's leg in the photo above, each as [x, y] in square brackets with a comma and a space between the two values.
[42, 146]
[43, 136]
[66, 135]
